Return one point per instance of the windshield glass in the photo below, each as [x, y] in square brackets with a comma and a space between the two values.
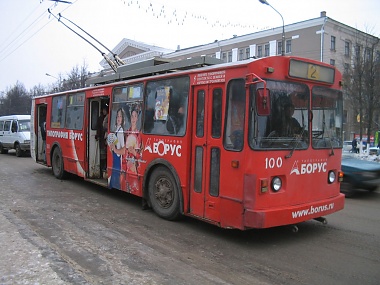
[327, 108]
[285, 126]
[24, 126]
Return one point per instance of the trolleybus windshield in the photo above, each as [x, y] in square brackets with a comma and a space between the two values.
[285, 126]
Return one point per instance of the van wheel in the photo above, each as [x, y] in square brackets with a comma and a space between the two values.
[3, 150]
[18, 150]
[164, 195]
[57, 164]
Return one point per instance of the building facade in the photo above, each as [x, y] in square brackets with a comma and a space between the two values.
[322, 39]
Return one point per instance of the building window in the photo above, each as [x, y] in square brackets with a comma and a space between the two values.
[368, 54]
[241, 53]
[279, 47]
[347, 48]
[247, 53]
[357, 51]
[288, 46]
[333, 40]
[260, 51]
[266, 47]
[230, 56]
[332, 62]
[224, 57]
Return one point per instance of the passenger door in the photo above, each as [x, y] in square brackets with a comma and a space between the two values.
[207, 122]
[93, 154]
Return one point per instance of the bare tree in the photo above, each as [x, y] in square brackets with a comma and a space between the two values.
[16, 101]
[37, 90]
[362, 81]
[76, 78]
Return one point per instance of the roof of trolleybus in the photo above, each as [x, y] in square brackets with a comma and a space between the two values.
[268, 66]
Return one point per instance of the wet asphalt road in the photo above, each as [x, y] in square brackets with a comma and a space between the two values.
[73, 232]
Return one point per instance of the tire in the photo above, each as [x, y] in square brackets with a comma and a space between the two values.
[347, 188]
[371, 189]
[3, 150]
[164, 194]
[57, 164]
[18, 150]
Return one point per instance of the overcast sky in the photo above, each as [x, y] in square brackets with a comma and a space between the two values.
[32, 43]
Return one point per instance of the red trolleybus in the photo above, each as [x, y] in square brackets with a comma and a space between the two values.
[252, 144]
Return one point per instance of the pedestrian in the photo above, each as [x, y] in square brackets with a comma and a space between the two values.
[101, 135]
[354, 146]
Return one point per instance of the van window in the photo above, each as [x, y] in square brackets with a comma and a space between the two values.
[24, 126]
[7, 126]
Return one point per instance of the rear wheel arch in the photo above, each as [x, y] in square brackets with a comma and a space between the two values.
[160, 165]
[57, 162]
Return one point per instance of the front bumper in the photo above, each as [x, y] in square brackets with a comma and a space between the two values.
[292, 215]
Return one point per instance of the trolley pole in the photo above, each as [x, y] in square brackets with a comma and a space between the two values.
[283, 25]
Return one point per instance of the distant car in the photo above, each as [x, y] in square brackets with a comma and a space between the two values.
[359, 174]
[374, 150]
[347, 146]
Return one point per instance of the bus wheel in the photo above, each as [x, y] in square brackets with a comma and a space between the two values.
[18, 150]
[164, 195]
[57, 164]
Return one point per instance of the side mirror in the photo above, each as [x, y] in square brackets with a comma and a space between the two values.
[263, 102]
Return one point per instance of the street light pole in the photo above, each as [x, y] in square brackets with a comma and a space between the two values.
[283, 25]
[58, 79]
[47, 74]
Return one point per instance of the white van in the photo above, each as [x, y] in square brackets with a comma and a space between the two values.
[15, 134]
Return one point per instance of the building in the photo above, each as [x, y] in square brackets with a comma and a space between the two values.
[321, 38]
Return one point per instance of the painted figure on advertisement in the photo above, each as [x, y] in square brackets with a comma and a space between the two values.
[133, 149]
[117, 147]
[133, 142]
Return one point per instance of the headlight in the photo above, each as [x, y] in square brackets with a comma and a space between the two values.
[26, 141]
[331, 177]
[276, 184]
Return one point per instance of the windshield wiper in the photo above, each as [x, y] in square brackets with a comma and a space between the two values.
[332, 148]
[297, 140]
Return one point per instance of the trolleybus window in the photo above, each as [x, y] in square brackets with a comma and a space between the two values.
[166, 106]
[58, 112]
[200, 113]
[234, 133]
[214, 172]
[286, 125]
[327, 117]
[127, 99]
[216, 113]
[75, 111]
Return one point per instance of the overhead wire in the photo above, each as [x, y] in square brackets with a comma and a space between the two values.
[8, 50]
[12, 32]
